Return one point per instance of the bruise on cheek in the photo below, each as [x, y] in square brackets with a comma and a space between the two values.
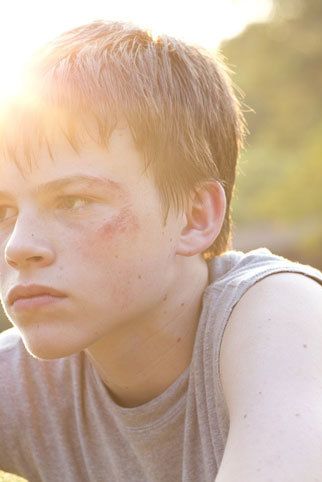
[124, 221]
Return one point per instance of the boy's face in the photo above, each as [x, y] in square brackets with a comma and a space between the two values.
[89, 225]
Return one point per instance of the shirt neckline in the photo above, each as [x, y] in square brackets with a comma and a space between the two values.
[155, 412]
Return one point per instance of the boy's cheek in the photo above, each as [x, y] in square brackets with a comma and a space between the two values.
[124, 222]
[105, 238]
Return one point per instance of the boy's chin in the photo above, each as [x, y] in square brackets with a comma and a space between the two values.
[48, 349]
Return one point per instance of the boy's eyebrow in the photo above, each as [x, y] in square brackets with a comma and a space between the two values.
[79, 180]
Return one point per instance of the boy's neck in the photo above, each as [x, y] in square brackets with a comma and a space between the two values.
[138, 364]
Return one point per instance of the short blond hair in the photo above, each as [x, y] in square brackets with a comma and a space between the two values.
[177, 100]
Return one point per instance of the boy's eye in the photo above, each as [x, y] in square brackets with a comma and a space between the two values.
[7, 212]
[73, 202]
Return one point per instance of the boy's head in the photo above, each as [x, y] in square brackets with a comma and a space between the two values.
[177, 101]
[122, 145]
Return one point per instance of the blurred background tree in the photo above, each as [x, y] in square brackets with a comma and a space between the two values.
[278, 198]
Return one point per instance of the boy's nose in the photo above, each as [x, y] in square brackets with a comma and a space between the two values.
[23, 257]
[26, 248]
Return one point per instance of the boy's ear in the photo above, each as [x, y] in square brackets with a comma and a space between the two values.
[204, 217]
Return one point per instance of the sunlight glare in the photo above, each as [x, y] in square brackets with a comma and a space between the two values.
[205, 23]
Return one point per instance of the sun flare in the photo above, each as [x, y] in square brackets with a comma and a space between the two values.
[206, 23]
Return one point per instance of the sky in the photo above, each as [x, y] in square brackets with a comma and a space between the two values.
[27, 24]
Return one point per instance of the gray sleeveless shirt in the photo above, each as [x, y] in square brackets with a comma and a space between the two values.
[58, 422]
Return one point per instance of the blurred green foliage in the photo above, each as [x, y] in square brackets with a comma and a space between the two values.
[278, 67]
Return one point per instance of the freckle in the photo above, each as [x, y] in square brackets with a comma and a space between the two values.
[297, 415]
[178, 340]
[304, 346]
[139, 276]
[170, 240]
[259, 393]
[182, 304]
[245, 416]
[116, 256]
[165, 298]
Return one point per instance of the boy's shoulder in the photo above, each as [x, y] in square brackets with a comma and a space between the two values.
[22, 374]
[16, 365]
[270, 363]
[14, 375]
[10, 340]
[237, 268]
[27, 382]
[12, 353]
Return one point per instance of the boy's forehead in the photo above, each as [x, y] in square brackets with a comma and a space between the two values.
[66, 141]
[54, 166]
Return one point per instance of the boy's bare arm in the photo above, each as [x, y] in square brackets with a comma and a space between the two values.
[271, 371]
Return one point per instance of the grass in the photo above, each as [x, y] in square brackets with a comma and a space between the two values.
[5, 477]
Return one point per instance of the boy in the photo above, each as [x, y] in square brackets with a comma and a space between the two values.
[143, 349]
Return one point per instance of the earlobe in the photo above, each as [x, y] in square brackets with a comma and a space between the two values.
[205, 215]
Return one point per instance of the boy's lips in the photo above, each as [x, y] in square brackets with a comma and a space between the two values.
[19, 292]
